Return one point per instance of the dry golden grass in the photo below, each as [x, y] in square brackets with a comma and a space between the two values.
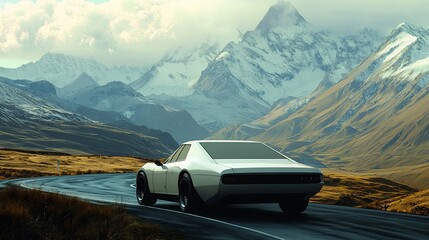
[416, 176]
[352, 189]
[416, 203]
[361, 191]
[15, 164]
[31, 214]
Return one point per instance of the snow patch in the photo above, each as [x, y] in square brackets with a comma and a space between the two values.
[176, 73]
[222, 56]
[414, 70]
[128, 114]
[398, 45]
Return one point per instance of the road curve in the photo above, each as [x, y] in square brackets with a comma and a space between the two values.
[250, 221]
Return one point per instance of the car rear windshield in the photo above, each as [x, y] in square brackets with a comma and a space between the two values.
[240, 150]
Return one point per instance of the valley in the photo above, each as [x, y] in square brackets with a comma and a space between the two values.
[353, 103]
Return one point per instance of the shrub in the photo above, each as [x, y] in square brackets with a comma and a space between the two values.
[32, 214]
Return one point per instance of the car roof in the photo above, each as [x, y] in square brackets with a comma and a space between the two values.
[200, 141]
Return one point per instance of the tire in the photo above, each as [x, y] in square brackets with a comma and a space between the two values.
[143, 194]
[294, 206]
[189, 200]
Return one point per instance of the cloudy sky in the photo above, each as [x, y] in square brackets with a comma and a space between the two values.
[139, 32]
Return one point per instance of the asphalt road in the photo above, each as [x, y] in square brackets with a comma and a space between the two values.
[251, 221]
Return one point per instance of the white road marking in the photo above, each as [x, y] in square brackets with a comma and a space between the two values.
[215, 220]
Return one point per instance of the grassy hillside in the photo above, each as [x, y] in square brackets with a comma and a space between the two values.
[376, 135]
[351, 189]
[416, 176]
[80, 138]
[16, 164]
[416, 203]
[371, 191]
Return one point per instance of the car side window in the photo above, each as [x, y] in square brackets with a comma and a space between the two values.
[176, 155]
[173, 156]
[183, 153]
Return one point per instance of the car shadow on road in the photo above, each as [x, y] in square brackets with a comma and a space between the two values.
[249, 213]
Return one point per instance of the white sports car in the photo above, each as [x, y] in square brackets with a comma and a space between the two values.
[207, 172]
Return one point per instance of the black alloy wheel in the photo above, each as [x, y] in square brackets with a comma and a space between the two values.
[188, 198]
[144, 196]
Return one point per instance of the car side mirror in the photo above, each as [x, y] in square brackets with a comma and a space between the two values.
[158, 163]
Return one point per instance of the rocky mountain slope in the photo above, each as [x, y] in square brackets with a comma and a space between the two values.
[279, 111]
[376, 117]
[121, 98]
[29, 122]
[47, 91]
[21, 107]
[61, 70]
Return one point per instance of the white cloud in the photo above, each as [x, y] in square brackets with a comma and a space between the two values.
[112, 30]
[139, 32]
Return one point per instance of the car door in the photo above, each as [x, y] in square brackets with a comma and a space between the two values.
[160, 173]
[174, 170]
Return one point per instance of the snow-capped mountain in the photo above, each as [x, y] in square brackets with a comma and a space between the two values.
[283, 57]
[406, 55]
[114, 96]
[376, 117]
[176, 73]
[19, 105]
[61, 70]
[121, 98]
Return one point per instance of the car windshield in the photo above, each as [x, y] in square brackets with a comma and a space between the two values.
[240, 150]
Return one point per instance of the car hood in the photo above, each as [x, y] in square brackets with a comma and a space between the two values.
[265, 165]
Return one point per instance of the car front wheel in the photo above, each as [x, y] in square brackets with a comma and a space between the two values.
[144, 196]
[294, 205]
[188, 198]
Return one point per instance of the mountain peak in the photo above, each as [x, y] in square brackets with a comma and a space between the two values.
[410, 29]
[59, 58]
[84, 80]
[52, 56]
[84, 75]
[405, 26]
[282, 14]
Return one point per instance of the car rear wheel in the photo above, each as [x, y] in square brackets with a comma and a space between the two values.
[188, 198]
[144, 196]
[294, 205]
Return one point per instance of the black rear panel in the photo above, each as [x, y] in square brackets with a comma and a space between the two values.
[300, 178]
